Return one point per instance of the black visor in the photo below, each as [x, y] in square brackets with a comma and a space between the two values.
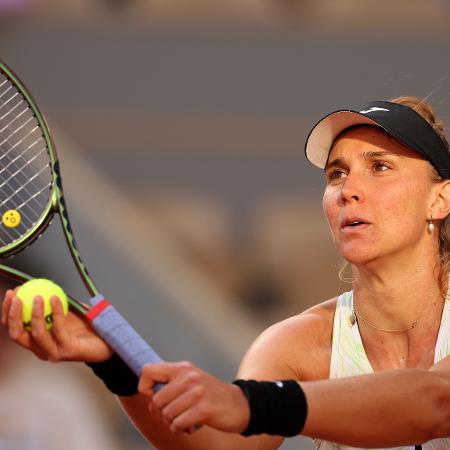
[400, 121]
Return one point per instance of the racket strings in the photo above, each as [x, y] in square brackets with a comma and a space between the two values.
[23, 187]
[25, 214]
[25, 173]
[11, 98]
[19, 155]
[10, 176]
[15, 131]
[20, 208]
[12, 110]
[20, 169]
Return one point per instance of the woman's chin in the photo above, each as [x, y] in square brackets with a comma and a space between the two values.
[359, 256]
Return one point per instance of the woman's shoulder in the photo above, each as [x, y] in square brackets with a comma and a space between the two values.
[298, 347]
[311, 325]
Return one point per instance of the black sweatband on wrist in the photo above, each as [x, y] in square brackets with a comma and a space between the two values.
[276, 407]
[117, 376]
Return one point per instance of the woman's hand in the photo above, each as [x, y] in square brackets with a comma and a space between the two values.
[192, 398]
[71, 338]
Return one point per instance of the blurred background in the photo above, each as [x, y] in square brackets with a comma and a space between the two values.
[180, 126]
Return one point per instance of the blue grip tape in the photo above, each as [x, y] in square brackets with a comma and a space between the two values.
[123, 339]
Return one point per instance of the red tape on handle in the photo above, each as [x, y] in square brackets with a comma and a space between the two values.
[97, 309]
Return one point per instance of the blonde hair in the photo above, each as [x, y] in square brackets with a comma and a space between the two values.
[422, 107]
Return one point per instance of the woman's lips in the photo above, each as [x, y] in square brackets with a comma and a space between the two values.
[354, 224]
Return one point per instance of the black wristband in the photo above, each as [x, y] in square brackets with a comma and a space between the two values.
[116, 375]
[276, 407]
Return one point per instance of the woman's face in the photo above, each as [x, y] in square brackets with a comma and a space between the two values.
[377, 195]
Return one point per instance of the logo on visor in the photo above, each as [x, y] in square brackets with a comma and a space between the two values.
[373, 109]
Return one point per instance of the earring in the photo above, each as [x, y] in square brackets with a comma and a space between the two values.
[430, 225]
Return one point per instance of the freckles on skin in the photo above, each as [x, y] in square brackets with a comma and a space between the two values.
[355, 247]
[403, 206]
[394, 201]
[396, 214]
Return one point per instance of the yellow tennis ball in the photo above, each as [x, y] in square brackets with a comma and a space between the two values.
[46, 289]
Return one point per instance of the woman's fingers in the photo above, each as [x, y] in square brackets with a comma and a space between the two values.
[186, 412]
[36, 340]
[182, 403]
[192, 398]
[42, 338]
[158, 373]
[59, 329]
[15, 322]
[179, 377]
[71, 338]
[187, 422]
[9, 294]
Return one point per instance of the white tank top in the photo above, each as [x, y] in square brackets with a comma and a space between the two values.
[349, 358]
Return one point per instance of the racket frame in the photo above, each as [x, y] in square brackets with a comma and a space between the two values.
[56, 204]
[105, 319]
[31, 235]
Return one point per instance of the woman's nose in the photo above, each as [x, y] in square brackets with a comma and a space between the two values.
[352, 189]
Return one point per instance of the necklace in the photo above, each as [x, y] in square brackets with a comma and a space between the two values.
[354, 317]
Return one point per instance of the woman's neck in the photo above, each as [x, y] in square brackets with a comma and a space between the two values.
[404, 296]
[397, 293]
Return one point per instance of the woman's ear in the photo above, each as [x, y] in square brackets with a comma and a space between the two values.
[440, 207]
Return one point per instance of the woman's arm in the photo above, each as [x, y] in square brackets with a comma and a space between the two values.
[72, 340]
[298, 347]
[212, 403]
[158, 432]
[385, 409]
[398, 407]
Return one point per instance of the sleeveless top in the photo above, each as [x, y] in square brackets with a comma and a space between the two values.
[349, 358]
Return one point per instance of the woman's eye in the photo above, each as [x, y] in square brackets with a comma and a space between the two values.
[335, 174]
[380, 166]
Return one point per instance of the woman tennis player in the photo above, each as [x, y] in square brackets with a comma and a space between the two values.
[366, 369]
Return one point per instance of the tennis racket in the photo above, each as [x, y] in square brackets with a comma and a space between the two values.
[30, 194]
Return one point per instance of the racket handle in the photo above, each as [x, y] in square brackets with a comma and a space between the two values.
[121, 336]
